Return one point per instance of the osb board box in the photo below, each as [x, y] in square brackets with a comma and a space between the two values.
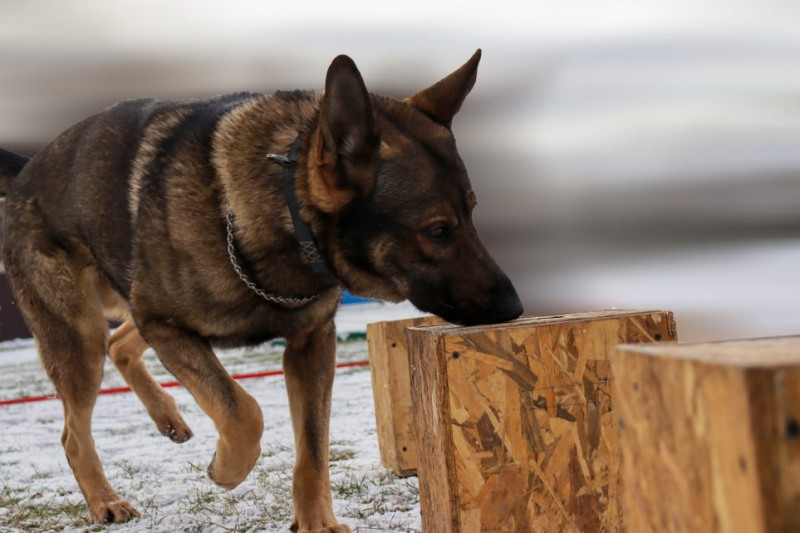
[391, 388]
[710, 436]
[514, 421]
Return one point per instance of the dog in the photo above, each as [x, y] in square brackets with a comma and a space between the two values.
[230, 221]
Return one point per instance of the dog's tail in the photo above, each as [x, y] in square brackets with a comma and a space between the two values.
[10, 165]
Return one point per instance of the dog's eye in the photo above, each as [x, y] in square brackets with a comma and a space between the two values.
[438, 232]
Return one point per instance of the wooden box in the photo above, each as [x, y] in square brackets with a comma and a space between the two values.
[710, 436]
[391, 387]
[514, 422]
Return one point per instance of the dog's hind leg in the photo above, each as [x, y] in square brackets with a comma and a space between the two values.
[77, 377]
[235, 413]
[71, 334]
[125, 349]
[310, 363]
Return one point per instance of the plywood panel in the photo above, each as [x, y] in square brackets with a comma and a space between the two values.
[388, 355]
[517, 419]
[709, 436]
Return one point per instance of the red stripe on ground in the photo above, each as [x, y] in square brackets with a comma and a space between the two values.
[168, 384]
[30, 399]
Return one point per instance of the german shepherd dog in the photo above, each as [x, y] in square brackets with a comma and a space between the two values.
[169, 217]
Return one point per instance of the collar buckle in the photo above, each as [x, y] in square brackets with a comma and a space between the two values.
[281, 160]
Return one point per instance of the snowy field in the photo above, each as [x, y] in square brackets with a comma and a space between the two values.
[167, 482]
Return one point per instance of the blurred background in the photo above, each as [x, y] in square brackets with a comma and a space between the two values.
[625, 153]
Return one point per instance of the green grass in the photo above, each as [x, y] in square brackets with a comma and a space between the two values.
[35, 512]
[341, 455]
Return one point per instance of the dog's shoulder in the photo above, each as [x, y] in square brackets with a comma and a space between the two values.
[244, 135]
[282, 110]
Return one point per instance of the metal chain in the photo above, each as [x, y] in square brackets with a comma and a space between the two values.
[272, 298]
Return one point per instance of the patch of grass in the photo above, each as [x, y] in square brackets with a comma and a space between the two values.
[136, 477]
[381, 494]
[273, 493]
[35, 512]
[195, 468]
[341, 455]
[9, 497]
[208, 508]
[199, 499]
[352, 487]
[37, 475]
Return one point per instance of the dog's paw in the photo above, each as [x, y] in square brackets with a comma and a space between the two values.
[177, 430]
[113, 511]
[171, 424]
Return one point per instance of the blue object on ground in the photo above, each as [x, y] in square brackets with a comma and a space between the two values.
[348, 298]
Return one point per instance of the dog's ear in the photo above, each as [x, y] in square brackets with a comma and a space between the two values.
[442, 100]
[345, 140]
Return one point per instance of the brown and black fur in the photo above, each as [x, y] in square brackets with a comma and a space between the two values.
[123, 216]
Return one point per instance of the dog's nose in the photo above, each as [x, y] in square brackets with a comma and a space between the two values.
[500, 304]
[511, 310]
[507, 305]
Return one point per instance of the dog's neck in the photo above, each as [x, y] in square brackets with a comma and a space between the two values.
[251, 185]
[302, 231]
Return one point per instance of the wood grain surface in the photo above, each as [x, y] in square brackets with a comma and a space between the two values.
[709, 436]
[391, 387]
[514, 422]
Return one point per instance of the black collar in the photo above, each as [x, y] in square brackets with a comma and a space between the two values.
[301, 228]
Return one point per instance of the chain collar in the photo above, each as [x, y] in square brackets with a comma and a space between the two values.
[302, 232]
[272, 298]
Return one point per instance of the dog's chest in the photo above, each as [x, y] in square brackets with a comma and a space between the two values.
[245, 325]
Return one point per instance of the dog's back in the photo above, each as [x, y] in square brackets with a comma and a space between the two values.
[84, 185]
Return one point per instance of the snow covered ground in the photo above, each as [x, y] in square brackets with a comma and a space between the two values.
[167, 482]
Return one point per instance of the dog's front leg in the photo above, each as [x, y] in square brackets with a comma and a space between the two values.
[310, 363]
[235, 413]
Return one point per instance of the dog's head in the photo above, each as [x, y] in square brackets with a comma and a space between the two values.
[388, 173]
